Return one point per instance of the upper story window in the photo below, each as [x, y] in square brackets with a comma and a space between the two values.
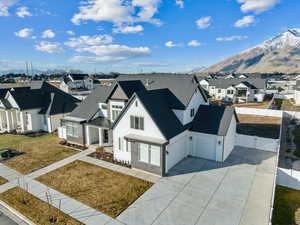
[72, 129]
[192, 113]
[116, 110]
[229, 92]
[104, 106]
[219, 90]
[137, 123]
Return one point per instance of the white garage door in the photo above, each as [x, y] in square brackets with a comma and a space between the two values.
[204, 146]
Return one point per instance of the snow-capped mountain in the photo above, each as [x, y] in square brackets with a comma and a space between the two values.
[278, 54]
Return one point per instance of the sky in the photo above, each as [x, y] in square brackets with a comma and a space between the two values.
[131, 36]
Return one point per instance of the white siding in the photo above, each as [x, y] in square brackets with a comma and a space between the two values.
[185, 115]
[123, 128]
[12, 101]
[177, 149]
[204, 145]
[229, 140]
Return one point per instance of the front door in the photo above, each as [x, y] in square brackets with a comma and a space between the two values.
[105, 136]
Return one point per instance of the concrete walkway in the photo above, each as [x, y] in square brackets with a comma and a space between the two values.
[131, 172]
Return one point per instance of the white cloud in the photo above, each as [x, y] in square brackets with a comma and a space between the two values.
[257, 6]
[204, 22]
[69, 32]
[110, 53]
[117, 11]
[49, 47]
[179, 3]
[85, 40]
[232, 38]
[170, 44]
[48, 34]
[24, 33]
[194, 43]
[128, 29]
[246, 21]
[23, 12]
[5, 5]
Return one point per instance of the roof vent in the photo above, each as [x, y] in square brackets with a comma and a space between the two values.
[12, 89]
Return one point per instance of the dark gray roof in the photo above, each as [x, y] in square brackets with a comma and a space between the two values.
[222, 83]
[39, 95]
[131, 86]
[181, 86]
[100, 122]
[89, 107]
[160, 111]
[213, 119]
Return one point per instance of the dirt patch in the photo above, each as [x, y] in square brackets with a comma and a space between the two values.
[38, 211]
[108, 191]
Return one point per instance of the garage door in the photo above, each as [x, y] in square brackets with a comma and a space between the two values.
[204, 146]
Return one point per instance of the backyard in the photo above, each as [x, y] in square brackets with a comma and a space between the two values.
[39, 151]
[286, 105]
[286, 206]
[258, 105]
[261, 126]
[2, 180]
[36, 210]
[105, 190]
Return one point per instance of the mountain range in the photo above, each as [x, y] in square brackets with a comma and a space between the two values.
[278, 54]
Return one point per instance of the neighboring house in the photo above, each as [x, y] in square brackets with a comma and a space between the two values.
[73, 82]
[237, 90]
[38, 107]
[153, 122]
[297, 93]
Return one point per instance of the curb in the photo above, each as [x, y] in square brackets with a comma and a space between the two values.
[16, 213]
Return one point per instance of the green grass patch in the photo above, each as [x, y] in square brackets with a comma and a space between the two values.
[286, 204]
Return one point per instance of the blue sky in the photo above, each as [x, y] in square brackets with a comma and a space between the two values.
[136, 35]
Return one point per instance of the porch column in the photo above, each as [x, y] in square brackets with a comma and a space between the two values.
[100, 131]
[8, 121]
[87, 134]
[22, 122]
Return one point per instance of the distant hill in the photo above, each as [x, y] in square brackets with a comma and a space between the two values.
[279, 54]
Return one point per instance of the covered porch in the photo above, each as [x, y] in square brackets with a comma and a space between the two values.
[99, 133]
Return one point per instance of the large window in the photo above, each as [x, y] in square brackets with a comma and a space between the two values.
[137, 122]
[116, 110]
[149, 154]
[72, 129]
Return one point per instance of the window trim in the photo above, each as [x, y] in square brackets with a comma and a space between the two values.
[137, 122]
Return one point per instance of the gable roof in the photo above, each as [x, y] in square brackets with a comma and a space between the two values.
[89, 107]
[154, 101]
[39, 95]
[129, 87]
[256, 83]
[181, 86]
[213, 119]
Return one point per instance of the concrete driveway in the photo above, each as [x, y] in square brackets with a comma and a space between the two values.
[202, 192]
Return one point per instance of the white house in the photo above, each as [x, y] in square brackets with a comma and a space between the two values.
[151, 137]
[76, 82]
[236, 90]
[38, 107]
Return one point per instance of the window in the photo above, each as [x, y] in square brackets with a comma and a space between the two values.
[137, 123]
[144, 153]
[192, 112]
[104, 106]
[155, 155]
[120, 144]
[116, 110]
[128, 146]
[149, 154]
[72, 129]
[219, 90]
[229, 92]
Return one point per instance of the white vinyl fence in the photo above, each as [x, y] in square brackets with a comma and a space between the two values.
[288, 178]
[264, 144]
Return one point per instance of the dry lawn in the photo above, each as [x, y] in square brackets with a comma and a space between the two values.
[34, 209]
[39, 151]
[261, 105]
[105, 190]
[3, 180]
[243, 118]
